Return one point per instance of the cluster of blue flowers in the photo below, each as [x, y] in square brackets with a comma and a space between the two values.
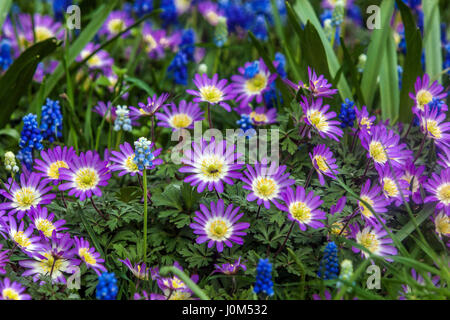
[30, 139]
[143, 155]
[348, 114]
[123, 121]
[178, 67]
[329, 265]
[51, 120]
[169, 14]
[264, 282]
[60, 7]
[139, 7]
[245, 123]
[5, 54]
[107, 286]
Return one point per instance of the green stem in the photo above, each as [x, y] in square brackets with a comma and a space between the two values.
[119, 139]
[144, 257]
[184, 277]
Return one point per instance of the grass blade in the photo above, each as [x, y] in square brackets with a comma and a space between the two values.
[432, 39]
[389, 90]
[5, 5]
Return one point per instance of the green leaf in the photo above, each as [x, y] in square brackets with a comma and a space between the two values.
[140, 84]
[377, 44]
[306, 13]
[432, 39]
[10, 132]
[389, 90]
[5, 5]
[351, 65]
[421, 217]
[15, 82]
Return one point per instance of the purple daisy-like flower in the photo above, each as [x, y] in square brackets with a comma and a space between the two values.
[266, 183]
[182, 117]
[21, 236]
[212, 90]
[441, 223]
[4, 259]
[85, 176]
[337, 226]
[106, 110]
[252, 83]
[99, 61]
[393, 186]
[383, 144]
[424, 93]
[52, 161]
[319, 86]
[43, 221]
[54, 259]
[365, 120]
[148, 110]
[230, 268]
[444, 157]
[153, 41]
[89, 256]
[303, 208]
[318, 118]
[218, 225]
[139, 270]
[375, 239]
[439, 188]
[122, 161]
[432, 125]
[116, 22]
[12, 290]
[375, 199]
[415, 178]
[261, 116]
[44, 68]
[173, 287]
[211, 164]
[44, 28]
[324, 162]
[32, 191]
[210, 11]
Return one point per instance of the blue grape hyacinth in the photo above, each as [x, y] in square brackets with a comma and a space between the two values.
[329, 265]
[143, 155]
[348, 114]
[264, 282]
[30, 138]
[107, 286]
[5, 54]
[51, 120]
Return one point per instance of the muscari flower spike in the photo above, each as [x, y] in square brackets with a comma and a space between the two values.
[10, 162]
[123, 121]
[30, 139]
[143, 154]
[264, 282]
[346, 273]
[107, 286]
[348, 114]
[5, 54]
[329, 265]
[51, 120]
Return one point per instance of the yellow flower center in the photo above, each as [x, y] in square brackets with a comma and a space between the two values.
[45, 226]
[300, 211]
[415, 183]
[443, 193]
[177, 283]
[365, 210]
[10, 294]
[93, 61]
[181, 120]
[337, 227]
[258, 117]
[86, 178]
[369, 241]
[433, 129]
[442, 223]
[53, 169]
[42, 33]
[318, 120]
[377, 152]
[179, 295]
[256, 84]
[211, 94]
[116, 25]
[212, 167]
[87, 256]
[423, 97]
[389, 187]
[21, 239]
[26, 197]
[212, 17]
[50, 263]
[265, 188]
[321, 163]
[130, 165]
[218, 229]
[151, 42]
[366, 122]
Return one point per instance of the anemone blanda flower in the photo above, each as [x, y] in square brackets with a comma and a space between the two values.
[444, 157]
[182, 117]
[54, 259]
[219, 225]
[230, 268]
[432, 125]
[43, 221]
[375, 239]
[150, 108]
[52, 161]
[254, 79]
[85, 176]
[393, 186]
[12, 290]
[4, 259]
[415, 178]
[261, 116]
[212, 90]
[211, 164]
[322, 160]
[32, 191]
[106, 110]
[173, 287]
[90, 257]
[337, 226]
[101, 60]
[210, 11]
[383, 144]
[425, 92]
[157, 41]
[266, 183]
[21, 236]
[319, 86]
[375, 199]
[45, 27]
[441, 223]
[438, 187]
[116, 22]
[122, 161]
[364, 119]
[303, 208]
[139, 270]
[317, 117]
